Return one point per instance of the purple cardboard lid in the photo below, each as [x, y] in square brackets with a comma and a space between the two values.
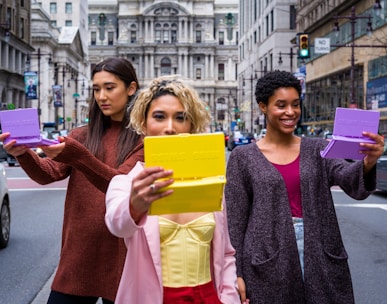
[352, 122]
[347, 133]
[23, 126]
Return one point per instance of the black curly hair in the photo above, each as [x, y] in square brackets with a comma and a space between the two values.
[272, 81]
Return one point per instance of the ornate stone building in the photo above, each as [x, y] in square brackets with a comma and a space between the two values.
[15, 38]
[197, 40]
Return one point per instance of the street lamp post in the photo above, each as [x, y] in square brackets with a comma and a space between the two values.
[39, 55]
[291, 54]
[252, 102]
[352, 19]
[65, 69]
[76, 96]
[63, 97]
[252, 97]
[252, 94]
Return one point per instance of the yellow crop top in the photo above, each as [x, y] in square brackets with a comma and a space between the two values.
[186, 250]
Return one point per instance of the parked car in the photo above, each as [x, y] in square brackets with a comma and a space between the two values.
[328, 136]
[381, 171]
[238, 138]
[5, 213]
[261, 134]
[56, 133]
[3, 153]
[12, 161]
[226, 138]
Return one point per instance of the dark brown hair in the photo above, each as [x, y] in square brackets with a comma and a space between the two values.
[99, 123]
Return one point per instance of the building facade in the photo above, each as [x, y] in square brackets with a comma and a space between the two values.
[59, 58]
[15, 38]
[37, 55]
[267, 29]
[194, 39]
[69, 13]
[353, 72]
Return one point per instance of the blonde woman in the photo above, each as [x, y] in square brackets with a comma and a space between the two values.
[171, 258]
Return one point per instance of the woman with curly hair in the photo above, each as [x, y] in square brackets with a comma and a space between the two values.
[171, 258]
[281, 214]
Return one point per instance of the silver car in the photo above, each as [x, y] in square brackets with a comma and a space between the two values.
[5, 213]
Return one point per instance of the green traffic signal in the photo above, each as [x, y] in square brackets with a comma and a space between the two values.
[303, 46]
[304, 53]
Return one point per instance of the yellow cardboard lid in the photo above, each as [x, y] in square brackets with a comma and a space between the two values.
[198, 162]
[190, 156]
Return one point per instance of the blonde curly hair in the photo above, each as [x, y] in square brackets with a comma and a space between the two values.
[194, 108]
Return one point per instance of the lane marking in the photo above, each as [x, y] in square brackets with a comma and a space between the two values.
[36, 189]
[363, 205]
[358, 205]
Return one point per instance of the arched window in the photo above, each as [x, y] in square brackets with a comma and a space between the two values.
[198, 33]
[133, 33]
[158, 32]
[173, 32]
[165, 66]
[166, 33]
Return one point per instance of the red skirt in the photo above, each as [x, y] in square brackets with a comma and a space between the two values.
[202, 294]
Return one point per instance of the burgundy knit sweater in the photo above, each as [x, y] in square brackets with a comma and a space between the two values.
[91, 258]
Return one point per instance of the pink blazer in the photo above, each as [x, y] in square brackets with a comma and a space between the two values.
[141, 281]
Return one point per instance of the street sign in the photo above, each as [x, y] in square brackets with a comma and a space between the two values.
[76, 95]
[322, 45]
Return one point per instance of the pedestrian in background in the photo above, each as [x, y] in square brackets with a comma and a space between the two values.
[171, 258]
[91, 259]
[281, 215]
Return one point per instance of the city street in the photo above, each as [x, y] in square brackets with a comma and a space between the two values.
[33, 250]
[364, 230]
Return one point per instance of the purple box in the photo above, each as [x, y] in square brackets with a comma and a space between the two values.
[23, 126]
[347, 133]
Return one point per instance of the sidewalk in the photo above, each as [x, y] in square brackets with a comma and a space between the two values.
[42, 296]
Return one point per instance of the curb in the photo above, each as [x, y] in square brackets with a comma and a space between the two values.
[44, 293]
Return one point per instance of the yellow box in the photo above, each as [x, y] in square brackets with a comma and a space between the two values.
[198, 162]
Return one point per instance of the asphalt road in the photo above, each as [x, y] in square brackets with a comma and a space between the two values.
[363, 226]
[37, 213]
[33, 250]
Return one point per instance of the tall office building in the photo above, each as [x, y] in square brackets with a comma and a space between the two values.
[267, 33]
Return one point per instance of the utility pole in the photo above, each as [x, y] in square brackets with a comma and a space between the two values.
[39, 55]
[290, 54]
[352, 19]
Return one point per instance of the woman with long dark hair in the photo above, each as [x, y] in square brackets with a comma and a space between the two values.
[91, 259]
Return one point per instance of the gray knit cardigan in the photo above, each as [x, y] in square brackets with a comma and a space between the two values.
[262, 233]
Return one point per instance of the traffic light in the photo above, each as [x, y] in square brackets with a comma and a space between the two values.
[303, 46]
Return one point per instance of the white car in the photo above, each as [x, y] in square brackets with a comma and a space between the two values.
[5, 212]
[260, 135]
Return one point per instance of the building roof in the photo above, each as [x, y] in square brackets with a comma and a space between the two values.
[68, 34]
